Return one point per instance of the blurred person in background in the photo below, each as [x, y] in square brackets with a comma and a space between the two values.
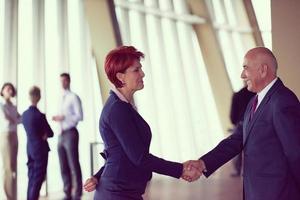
[37, 130]
[69, 115]
[9, 119]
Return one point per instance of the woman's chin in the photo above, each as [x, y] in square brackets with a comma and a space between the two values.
[141, 87]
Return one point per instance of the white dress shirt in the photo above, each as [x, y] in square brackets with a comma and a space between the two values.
[9, 117]
[262, 94]
[71, 109]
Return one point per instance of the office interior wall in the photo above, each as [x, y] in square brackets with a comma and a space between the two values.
[286, 43]
[102, 37]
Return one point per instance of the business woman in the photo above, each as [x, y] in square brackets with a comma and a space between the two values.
[126, 135]
[9, 119]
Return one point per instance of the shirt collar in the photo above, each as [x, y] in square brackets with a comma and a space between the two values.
[263, 93]
[66, 92]
[33, 107]
[121, 96]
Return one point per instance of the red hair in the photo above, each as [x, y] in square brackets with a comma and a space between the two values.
[118, 60]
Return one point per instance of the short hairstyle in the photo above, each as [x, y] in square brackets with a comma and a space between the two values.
[66, 75]
[118, 60]
[266, 53]
[14, 91]
[35, 92]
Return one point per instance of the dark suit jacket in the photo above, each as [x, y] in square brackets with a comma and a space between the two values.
[36, 125]
[127, 138]
[271, 144]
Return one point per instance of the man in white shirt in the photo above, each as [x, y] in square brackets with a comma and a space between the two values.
[68, 118]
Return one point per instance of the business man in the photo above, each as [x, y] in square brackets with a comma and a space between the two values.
[37, 130]
[68, 118]
[269, 135]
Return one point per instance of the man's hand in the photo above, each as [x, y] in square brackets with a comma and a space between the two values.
[58, 118]
[198, 164]
[192, 170]
[90, 184]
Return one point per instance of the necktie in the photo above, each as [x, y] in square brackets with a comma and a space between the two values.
[253, 107]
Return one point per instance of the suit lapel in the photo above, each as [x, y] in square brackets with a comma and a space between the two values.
[247, 120]
[248, 124]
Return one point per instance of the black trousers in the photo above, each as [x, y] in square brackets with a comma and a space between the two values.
[113, 190]
[37, 169]
[105, 194]
[69, 163]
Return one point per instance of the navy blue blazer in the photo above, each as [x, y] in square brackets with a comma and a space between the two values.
[127, 138]
[271, 145]
[36, 125]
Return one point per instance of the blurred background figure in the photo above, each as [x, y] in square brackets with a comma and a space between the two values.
[239, 104]
[69, 115]
[9, 118]
[37, 130]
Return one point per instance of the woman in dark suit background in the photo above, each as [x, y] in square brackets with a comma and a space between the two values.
[127, 136]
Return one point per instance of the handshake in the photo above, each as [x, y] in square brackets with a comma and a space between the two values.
[192, 170]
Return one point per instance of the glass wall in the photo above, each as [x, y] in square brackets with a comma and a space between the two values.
[177, 99]
[51, 37]
[263, 15]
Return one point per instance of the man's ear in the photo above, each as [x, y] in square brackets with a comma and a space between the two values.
[264, 70]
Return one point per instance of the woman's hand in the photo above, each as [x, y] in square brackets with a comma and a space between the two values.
[90, 184]
[192, 170]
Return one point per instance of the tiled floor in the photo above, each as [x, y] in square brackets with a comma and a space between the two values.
[220, 186]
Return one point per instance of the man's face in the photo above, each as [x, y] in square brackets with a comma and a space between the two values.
[65, 82]
[251, 74]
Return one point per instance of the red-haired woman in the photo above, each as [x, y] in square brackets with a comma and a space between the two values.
[126, 135]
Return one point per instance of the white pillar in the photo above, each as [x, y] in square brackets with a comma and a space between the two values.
[10, 42]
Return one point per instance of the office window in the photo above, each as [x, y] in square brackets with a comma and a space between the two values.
[2, 9]
[263, 15]
[177, 99]
[234, 34]
[50, 37]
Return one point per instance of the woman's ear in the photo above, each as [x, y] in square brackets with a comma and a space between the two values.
[120, 77]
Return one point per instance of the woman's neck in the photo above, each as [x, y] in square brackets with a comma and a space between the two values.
[127, 94]
[7, 100]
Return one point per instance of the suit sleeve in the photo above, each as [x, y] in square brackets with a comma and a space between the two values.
[123, 124]
[98, 174]
[46, 127]
[287, 126]
[224, 151]
[3, 117]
